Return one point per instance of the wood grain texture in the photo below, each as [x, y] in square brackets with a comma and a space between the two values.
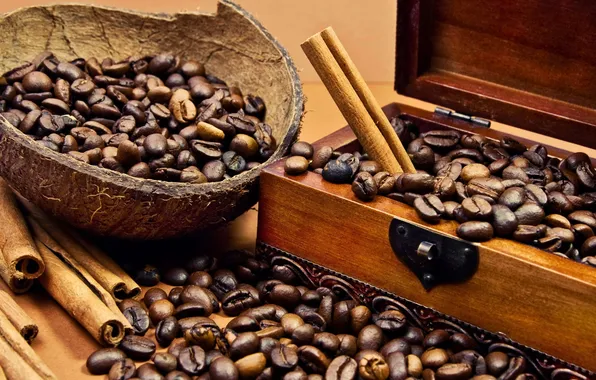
[519, 63]
[533, 297]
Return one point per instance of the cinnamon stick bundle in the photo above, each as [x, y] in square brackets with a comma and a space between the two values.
[2, 374]
[19, 345]
[21, 259]
[43, 237]
[78, 299]
[13, 365]
[114, 280]
[17, 316]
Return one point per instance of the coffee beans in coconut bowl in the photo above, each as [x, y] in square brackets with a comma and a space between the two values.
[142, 126]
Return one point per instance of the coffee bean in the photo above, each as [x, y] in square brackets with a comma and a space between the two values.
[249, 367]
[396, 345]
[321, 157]
[223, 368]
[123, 369]
[302, 148]
[370, 338]
[136, 316]
[313, 359]
[165, 362]
[284, 358]
[303, 334]
[238, 300]
[166, 330]
[454, 371]
[137, 347]
[372, 366]
[529, 213]
[496, 363]
[160, 309]
[336, 171]
[364, 186]
[154, 294]
[37, 81]
[476, 208]
[442, 139]
[175, 276]
[475, 231]
[434, 358]
[100, 361]
[391, 321]
[192, 360]
[469, 172]
[429, 208]
[489, 187]
[296, 165]
[504, 220]
[155, 145]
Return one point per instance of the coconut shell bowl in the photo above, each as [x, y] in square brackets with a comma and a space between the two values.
[231, 44]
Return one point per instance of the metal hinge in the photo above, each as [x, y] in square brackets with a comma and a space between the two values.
[460, 116]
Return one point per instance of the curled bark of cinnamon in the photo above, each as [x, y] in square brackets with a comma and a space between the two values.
[21, 259]
[74, 295]
[13, 365]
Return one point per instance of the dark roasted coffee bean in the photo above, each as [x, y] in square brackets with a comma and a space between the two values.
[296, 165]
[364, 186]
[434, 358]
[529, 213]
[175, 276]
[224, 281]
[160, 309]
[100, 361]
[321, 157]
[370, 338]
[165, 362]
[391, 321]
[166, 330]
[372, 365]
[472, 171]
[136, 316]
[37, 81]
[326, 342]
[192, 360]
[223, 368]
[513, 197]
[302, 148]
[496, 363]
[441, 139]
[200, 278]
[336, 171]
[436, 338]
[396, 345]
[429, 207]
[148, 371]
[137, 347]
[284, 358]
[122, 370]
[240, 299]
[504, 220]
[476, 208]
[154, 294]
[303, 334]
[313, 359]
[475, 231]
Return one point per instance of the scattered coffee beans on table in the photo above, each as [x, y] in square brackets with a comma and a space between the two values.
[284, 330]
[493, 188]
[157, 116]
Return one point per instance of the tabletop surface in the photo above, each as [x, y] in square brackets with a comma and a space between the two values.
[65, 346]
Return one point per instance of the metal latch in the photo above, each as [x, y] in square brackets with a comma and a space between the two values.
[460, 116]
[434, 258]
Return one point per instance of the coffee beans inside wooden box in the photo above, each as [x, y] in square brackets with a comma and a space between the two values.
[493, 188]
[160, 116]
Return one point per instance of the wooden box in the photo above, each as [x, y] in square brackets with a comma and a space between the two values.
[528, 63]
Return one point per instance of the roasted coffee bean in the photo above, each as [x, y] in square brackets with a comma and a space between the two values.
[321, 157]
[476, 208]
[436, 338]
[154, 294]
[454, 371]
[342, 368]
[137, 347]
[136, 316]
[177, 375]
[434, 358]
[249, 367]
[396, 345]
[441, 139]
[160, 309]
[364, 186]
[303, 334]
[296, 165]
[504, 220]
[313, 359]
[429, 208]
[200, 336]
[148, 371]
[122, 370]
[370, 338]
[223, 368]
[496, 363]
[100, 361]
[240, 299]
[372, 366]
[224, 281]
[348, 345]
[175, 276]
[472, 171]
[359, 317]
[192, 360]
[536, 194]
[166, 331]
[302, 148]
[284, 357]
[337, 171]
[475, 231]
[529, 213]
[200, 278]
[489, 187]
[391, 321]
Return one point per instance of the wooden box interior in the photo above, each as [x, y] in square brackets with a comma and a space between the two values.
[533, 297]
[530, 63]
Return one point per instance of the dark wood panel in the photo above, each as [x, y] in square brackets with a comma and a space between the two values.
[531, 64]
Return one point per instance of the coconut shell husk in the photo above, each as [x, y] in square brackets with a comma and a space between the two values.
[231, 44]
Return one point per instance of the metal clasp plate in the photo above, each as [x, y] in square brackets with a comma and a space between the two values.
[434, 258]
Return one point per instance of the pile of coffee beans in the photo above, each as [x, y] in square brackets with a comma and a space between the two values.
[160, 116]
[282, 330]
[493, 188]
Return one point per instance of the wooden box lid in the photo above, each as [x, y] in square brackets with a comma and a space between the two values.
[530, 63]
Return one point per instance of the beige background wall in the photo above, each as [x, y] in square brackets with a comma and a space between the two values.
[367, 31]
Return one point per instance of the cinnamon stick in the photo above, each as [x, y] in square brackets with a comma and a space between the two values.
[129, 289]
[79, 300]
[349, 103]
[18, 250]
[365, 94]
[23, 349]
[110, 281]
[42, 236]
[17, 316]
[2, 374]
[15, 282]
[13, 365]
